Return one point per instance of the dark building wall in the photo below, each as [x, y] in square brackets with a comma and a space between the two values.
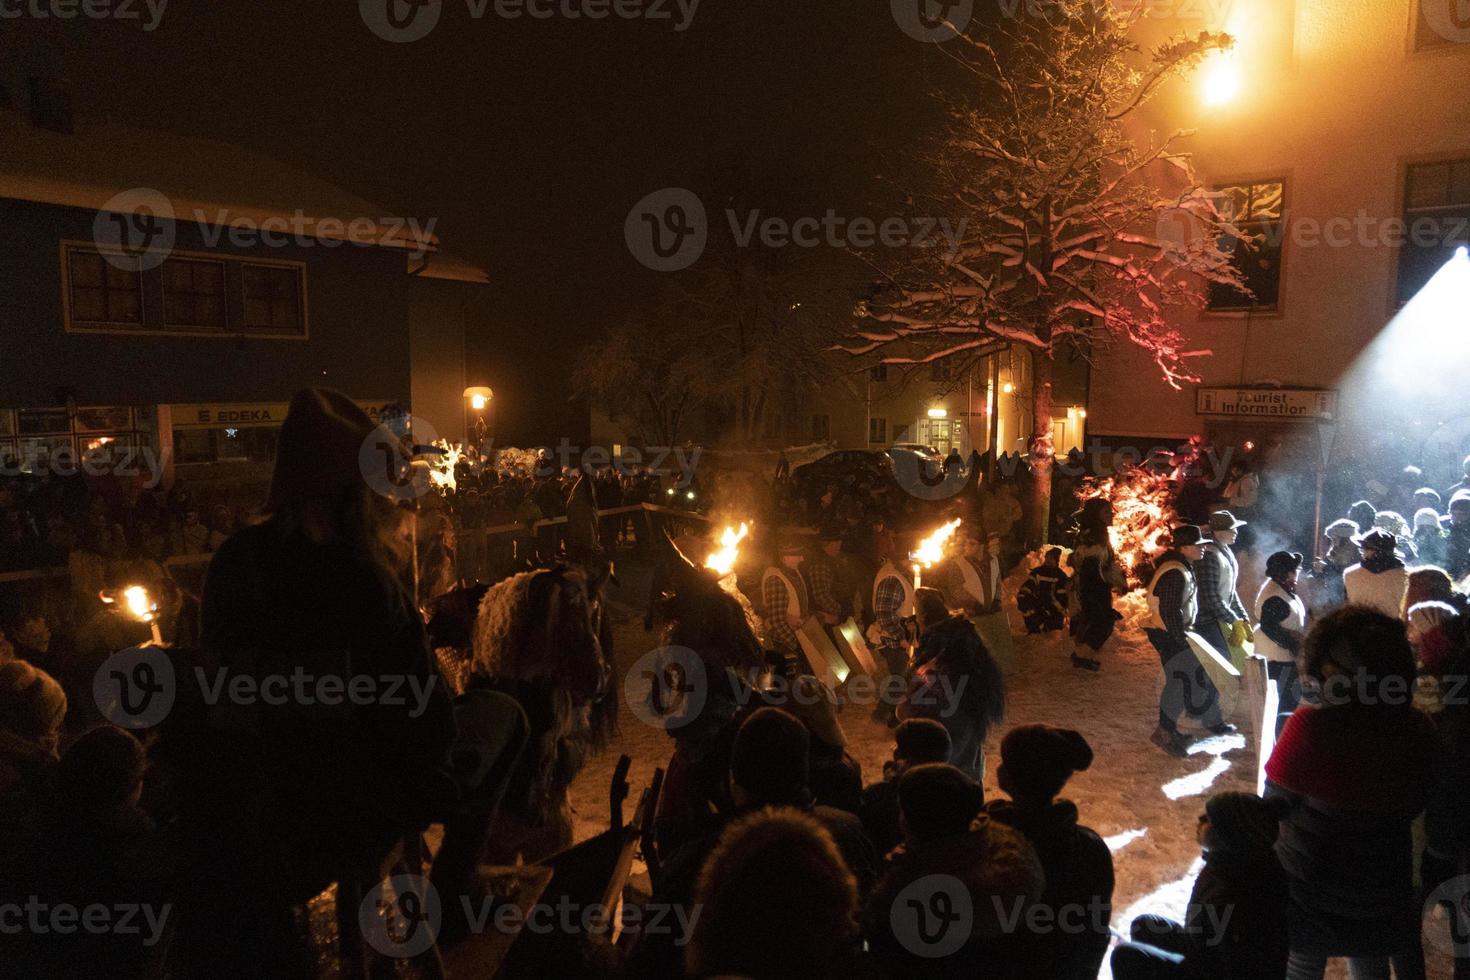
[357, 318]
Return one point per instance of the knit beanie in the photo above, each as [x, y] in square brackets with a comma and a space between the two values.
[1039, 759]
[922, 740]
[1426, 517]
[938, 800]
[770, 758]
[32, 704]
[101, 768]
[1243, 822]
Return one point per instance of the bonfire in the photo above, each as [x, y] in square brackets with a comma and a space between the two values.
[1143, 515]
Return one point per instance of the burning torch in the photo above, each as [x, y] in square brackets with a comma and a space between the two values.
[722, 560]
[135, 602]
[931, 550]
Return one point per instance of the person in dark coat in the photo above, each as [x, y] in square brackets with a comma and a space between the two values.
[1035, 763]
[283, 798]
[916, 742]
[1236, 925]
[956, 682]
[1042, 599]
[1096, 574]
[1457, 537]
[953, 856]
[1357, 770]
[768, 768]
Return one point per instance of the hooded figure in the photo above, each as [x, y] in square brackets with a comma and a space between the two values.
[1430, 541]
[297, 792]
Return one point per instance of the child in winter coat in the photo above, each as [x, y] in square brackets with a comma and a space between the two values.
[1235, 928]
[1036, 762]
[1042, 600]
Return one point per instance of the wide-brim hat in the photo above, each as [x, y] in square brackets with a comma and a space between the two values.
[1223, 520]
[1284, 563]
[1343, 527]
[319, 449]
[1187, 535]
[791, 546]
[1378, 540]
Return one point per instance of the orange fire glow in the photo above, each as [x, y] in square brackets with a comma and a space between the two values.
[722, 560]
[1143, 515]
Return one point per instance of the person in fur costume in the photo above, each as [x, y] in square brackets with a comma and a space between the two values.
[536, 639]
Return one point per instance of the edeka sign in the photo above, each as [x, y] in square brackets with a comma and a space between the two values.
[244, 415]
[1285, 404]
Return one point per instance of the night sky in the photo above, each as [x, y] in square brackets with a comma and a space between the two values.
[528, 140]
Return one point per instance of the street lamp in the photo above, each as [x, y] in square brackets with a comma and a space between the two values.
[478, 399]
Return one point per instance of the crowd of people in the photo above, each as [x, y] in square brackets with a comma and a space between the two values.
[218, 826]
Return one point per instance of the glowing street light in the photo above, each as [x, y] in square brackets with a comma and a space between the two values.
[478, 398]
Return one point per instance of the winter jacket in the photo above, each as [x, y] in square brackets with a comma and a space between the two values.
[1079, 882]
[1383, 590]
[1283, 619]
[1215, 575]
[1457, 549]
[1000, 875]
[1357, 777]
[1447, 814]
[1236, 926]
[879, 813]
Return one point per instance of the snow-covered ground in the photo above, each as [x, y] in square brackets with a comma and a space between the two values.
[1143, 801]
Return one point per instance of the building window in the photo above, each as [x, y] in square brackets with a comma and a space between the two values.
[194, 293]
[1436, 220]
[1440, 22]
[273, 297]
[821, 428]
[102, 291]
[877, 430]
[1259, 210]
[878, 372]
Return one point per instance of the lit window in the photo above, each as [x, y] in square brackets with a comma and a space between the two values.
[1259, 210]
[877, 430]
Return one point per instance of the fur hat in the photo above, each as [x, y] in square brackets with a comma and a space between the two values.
[1426, 517]
[319, 449]
[1430, 493]
[1362, 513]
[938, 800]
[1039, 759]
[102, 768]
[1458, 498]
[1342, 528]
[1283, 563]
[1393, 522]
[1243, 822]
[32, 704]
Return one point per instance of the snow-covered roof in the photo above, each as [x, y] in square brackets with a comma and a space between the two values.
[100, 159]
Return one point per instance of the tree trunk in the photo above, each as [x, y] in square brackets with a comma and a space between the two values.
[1040, 450]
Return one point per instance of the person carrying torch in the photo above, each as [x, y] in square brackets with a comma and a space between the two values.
[785, 601]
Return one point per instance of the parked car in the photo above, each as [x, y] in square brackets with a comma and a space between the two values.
[845, 467]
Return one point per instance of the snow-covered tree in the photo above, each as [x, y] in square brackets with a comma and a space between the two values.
[1080, 229]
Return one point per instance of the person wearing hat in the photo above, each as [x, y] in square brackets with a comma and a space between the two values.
[1283, 618]
[1457, 537]
[956, 681]
[1221, 614]
[970, 579]
[1235, 927]
[785, 599]
[826, 573]
[893, 611]
[315, 589]
[1327, 592]
[1380, 581]
[1036, 761]
[1431, 542]
[1173, 603]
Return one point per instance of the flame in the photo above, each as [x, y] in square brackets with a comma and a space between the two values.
[136, 600]
[722, 561]
[1143, 515]
[441, 466]
[931, 549]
